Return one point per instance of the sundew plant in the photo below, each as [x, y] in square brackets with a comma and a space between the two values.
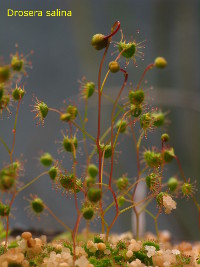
[91, 188]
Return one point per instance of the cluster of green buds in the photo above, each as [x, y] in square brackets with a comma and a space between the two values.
[92, 173]
[136, 99]
[70, 183]
[106, 149]
[70, 115]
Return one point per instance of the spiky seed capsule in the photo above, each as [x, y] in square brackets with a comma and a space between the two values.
[99, 41]
[136, 97]
[7, 180]
[122, 183]
[136, 110]
[43, 109]
[121, 125]
[17, 63]
[70, 144]
[158, 119]
[165, 137]
[106, 149]
[145, 121]
[1, 90]
[129, 49]
[46, 159]
[186, 189]
[168, 155]
[151, 180]
[37, 205]
[4, 210]
[93, 170]
[53, 172]
[18, 94]
[65, 117]
[78, 185]
[4, 74]
[73, 111]
[172, 184]
[88, 212]
[160, 62]
[114, 66]
[89, 89]
[94, 194]
[159, 198]
[67, 181]
[152, 159]
[121, 201]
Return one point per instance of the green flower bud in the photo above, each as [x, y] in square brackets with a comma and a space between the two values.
[17, 63]
[160, 62]
[78, 185]
[73, 111]
[172, 184]
[122, 183]
[136, 97]
[43, 108]
[87, 211]
[186, 189]
[152, 159]
[70, 144]
[65, 117]
[158, 119]
[4, 74]
[4, 210]
[151, 180]
[145, 121]
[67, 181]
[121, 201]
[159, 198]
[7, 180]
[114, 66]
[121, 125]
[93, 170]
[94, 194]
[108, 150]
[53, 171]
[46, 159]
[99, 41]
[37, 205]
[165, 137]
[89, 89]
[129, 49]
[18, 94]
[168, 155]
[136, 110]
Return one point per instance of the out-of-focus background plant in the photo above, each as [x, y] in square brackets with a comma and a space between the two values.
[171, 28]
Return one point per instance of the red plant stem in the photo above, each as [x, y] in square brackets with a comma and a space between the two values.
[113, 32]
[74, 233]
[117, 212]
[99, 111]
[149, 67]
[112, 123]
[180, 168]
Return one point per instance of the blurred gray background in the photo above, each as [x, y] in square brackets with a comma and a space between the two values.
[63, 55]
